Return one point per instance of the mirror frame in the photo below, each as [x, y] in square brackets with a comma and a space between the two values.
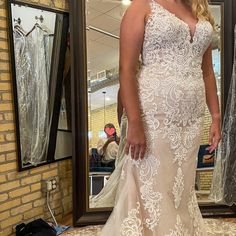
[82, 214]
[58, 77]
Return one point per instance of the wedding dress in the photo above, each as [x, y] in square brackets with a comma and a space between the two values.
[156, 195]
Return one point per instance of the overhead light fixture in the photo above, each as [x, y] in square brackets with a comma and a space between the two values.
[126, 2]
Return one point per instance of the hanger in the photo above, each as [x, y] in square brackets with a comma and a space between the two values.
[18, 27]
[37, 25]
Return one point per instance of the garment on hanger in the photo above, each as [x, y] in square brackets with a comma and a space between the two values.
[48, 47]
[223, 187]
[24, 73]
[40, 111]
[33, 52]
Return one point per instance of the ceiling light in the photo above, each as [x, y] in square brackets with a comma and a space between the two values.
[126, 2]
[108, 99]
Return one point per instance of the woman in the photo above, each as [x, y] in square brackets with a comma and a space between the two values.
[108, 147]
[165, 110]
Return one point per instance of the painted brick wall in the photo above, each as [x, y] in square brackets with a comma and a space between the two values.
[21, 198]
[205, 180]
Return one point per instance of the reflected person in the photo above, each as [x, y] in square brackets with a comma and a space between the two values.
[108, 147]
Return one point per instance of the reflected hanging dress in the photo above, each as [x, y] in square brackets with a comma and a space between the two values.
[156, 195]
[40, 99]
[24, 73]
[223, 187]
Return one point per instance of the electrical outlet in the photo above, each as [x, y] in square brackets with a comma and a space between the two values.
[54, 184]
[49, 185]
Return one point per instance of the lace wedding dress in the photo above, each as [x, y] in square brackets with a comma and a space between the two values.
[156, 195]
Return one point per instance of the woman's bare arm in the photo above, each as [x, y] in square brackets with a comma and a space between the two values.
[131, 40]
[211, 99]
[119, 107]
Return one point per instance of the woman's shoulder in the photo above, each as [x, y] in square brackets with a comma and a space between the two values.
[139, 8]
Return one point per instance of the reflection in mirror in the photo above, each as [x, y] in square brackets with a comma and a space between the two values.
[36, 36]
[206, 161]
[65, 108]
[64, 132]
[104, 109]
[105, 159]
[63, 144]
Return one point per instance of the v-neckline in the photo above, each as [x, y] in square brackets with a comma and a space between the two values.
[191, 34]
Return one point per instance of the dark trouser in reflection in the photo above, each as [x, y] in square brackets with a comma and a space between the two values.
[109, 164]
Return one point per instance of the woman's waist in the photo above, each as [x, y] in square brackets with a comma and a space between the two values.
[151, 80]
[170, 89]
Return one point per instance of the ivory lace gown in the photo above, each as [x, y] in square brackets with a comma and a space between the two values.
[156, 195]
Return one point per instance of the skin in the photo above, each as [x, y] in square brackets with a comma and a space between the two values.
[131, 40]
[119, 107]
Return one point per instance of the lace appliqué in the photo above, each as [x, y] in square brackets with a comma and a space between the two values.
[152, 198]
[195, 214]
[148, 169]
[178, 187]
[182, 128]
[132, 225]
[180, 229]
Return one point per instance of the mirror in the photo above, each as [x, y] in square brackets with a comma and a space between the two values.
[206, 161]
[64, 131]
[105, 156]
[38, 40]
[94, 42]
[103, 22]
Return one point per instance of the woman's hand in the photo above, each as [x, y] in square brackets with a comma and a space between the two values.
[136, 140]
[215, 134]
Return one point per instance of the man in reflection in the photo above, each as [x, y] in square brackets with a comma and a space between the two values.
[108, 147]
